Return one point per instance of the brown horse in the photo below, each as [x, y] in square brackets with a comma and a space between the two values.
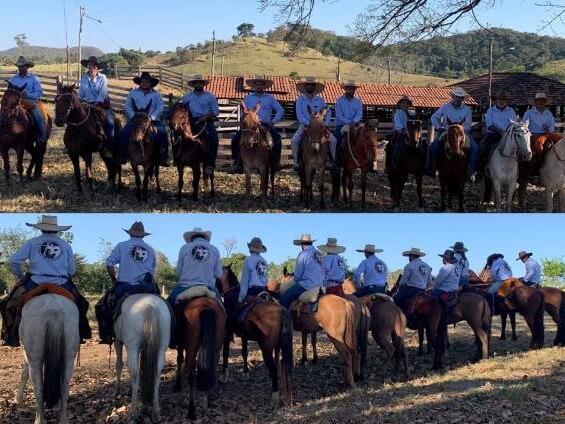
[356, 152]
[410, 160]
[143, 151]
[188, 149]
[256, 152]
[270, 325]
[203, 325]
[452, 166]
[84, 135]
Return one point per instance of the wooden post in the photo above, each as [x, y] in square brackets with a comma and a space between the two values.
[160, 74]
[491, 47]
[389, 72]
[182, 81]
[138, 70]
[116, 71]
[213, 53]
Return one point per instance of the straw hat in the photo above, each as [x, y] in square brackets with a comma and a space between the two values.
[256, 245]
[447, 255]
[523, 254]
[49, 224]
[331, 246]
[349, 83]
[146, 75]
[198, 78]
[369, 248]
[189, 235]
[24, 61]
[458, 92]
[459, 246]
[301, 86]
[407, 99]
[414, 251]
[540, 96]
[137, 230]
[304, 239]
[91, 59]
[252, 82]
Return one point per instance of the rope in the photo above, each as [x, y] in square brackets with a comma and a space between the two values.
[350, 150]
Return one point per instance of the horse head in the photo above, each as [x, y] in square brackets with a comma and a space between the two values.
[414, 132]
[141, 124]
[517, 141]
[455, 138]
[250, 125]
[316, 129]
[180, 121]
[11, 99]
[65, 101]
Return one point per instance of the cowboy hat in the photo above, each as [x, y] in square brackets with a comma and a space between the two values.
[331, 246]
[369, 248]
[458, 92]
[523, 254]
[459, 246]
[48, 223]
[251, 82]
[137, 230]
[301, 86]
[24, 61]
[414, 251]
[501, 95]
[146, 75]
[256, 245]
[304, 239]
[540, 96]
[349, 83]
[405, 98]
[189, 235]
[448, 254]
[91, 59]
[198, 78]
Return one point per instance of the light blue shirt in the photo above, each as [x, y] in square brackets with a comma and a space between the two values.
[500, 270]
[447, 279]
[334, 266]
[255, 273]
[201, 104]
[50, 258]
[417, 274]
[33, 90]
[540, 123]
[462, 265]
[400, 120]
[271, 110]
[142, 100]
[309, 271]
[135, 258]
[316, 103]
[93, 90]
[533, 271]
[373, 270]
[453, 114]
[499, 119]
[199, 263]
[348, 111]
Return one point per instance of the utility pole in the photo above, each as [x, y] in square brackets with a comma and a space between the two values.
[82, 14]
[491, 47]
[223, 56]
[338, 73]
[389, 72]
[213, 53]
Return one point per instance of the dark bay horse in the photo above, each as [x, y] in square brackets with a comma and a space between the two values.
[84, 135]
[452, 166]
[188, 149]
[356, 152]
[270, 325]
[411, 153]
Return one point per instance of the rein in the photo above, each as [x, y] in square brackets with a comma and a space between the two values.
[73, 107]
[351, 150]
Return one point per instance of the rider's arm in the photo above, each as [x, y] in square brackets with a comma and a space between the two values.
[35, 91]
[279, 110]
[302, 114]
[358, 273]
[468, 123]
[112, 261]
[218, 269]
[405, 275]
[530, 267]
[128, 107]
[180, 262]
[152, 261]
[18, 259]
[340, 113]
[103, 92]
[328, 116]
[550, 123]
[243, 282]
[436, 119]
[72, 263]
[299, 268]
[489, 121]
[158, 107]
[358, 111]
[82, 88]
[440, 279]
[214, 108]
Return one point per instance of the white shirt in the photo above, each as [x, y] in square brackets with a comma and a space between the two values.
[448, 112]
[199, 263]
[533, 271]
[499, 119]
[447, 279]
[540, 123]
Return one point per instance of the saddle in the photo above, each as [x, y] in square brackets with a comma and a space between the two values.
[308, 301]
[252, 301]
[44, 289]
[376, 297]
[197, 292]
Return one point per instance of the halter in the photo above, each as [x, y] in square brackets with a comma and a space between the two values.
[500, 149]
[74, 124]
[254, 134]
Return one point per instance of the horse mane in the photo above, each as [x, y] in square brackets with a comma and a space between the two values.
[455, 139]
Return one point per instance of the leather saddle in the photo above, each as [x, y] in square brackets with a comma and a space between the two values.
[44, 289]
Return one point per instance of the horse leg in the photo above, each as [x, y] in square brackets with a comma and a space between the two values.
[344, 185]
[180, 183]
[313, 341]
[212, 187]
[157, 182]
[6, 160]
[510, 196]
[119, 347]
[248, 186]
[137, 182]
[67, 375]
[88, 168]
[133, 366]
[244, 355]
[196, 172]
[264, 184]
[321, 187]
[503, 316]
[20, 164]
[224, 377]
[180, 361]
[267, 351]
[156, 412]
[443, 190]
[350, 188]
[497, 188]
[23, 383]
[382, 340]
[548, 199]
[420, 341]
[304, 358]
[513, 325]
[419, 192]
[75, 159]
[190, 368]
[461, 196]
[146, 174]
[347, 355]
[271, 173]
[39, 158]
[36, 372]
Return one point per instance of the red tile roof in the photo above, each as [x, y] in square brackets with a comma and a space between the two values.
[384, 95]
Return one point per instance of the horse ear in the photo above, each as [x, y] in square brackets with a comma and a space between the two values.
[244, 108]
[309, 110]
[323, 112]
[59, 82]
[75, 85]
[527, 123]
[285, 272]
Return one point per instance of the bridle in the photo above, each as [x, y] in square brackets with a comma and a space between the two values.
[71, 108]
[14, 112]
[512, 134]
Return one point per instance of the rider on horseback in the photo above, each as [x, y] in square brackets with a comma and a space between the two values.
[371, 275]
[32, 91]
[400, 126]
[533, 269]
[136, 260]
[499, 272]
[334, 266]
[541, 120]
[254, 274]
[416, 277]
[446, 285]
[348, 113]
[51, 261]
[269, 113]
[308, 272]
[461, 262]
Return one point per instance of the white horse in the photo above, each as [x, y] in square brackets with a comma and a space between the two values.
[50, 338]
[502, 168]
[144, 327]
[552, 175]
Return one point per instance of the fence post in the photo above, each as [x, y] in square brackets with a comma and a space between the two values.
[138, 70]
[160, 74]
[182, 81]
[171, 100]
[116, 71]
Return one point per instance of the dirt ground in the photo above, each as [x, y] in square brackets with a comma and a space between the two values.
[515, 385]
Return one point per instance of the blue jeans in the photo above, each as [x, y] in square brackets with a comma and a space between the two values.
[277, 145]
[405, 293]
[121, 289]
[161, 138]
[291, 295]
[109, 125]
[367, 290]
[179, 289]
[30, 285]
[433, 151]
[212, 141]
[337, 135]
[39, 121]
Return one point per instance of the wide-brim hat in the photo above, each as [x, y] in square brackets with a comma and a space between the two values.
[448, 254]
[459, 246]
[540, 96]
[189, 235]
[304, 239]
[331, 246]
[301, 86]
[24, 61]
[523, 254]
[252, 82]
[349, 83]
[137, 230]
[256, 245]
[458, 92]
[49, 224]
[414, 251]
[198, 78]
[91, 59]
[501, 95]
[146, 75]
[405, 99]
[369, 248]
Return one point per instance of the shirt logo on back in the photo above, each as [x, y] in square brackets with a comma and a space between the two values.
[423, 270]
[200, 253]
[139, 254]
[380, 268]
[50, 250]
[341, 264]
[261, 268]
[318, 257]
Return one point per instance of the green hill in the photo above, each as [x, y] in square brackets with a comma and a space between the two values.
[554, 69]
[45, 55]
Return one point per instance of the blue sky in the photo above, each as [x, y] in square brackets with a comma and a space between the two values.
[483, 234]
[166, 24]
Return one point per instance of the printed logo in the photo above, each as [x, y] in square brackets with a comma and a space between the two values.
[341, 264]
[380, 268]
[139, 254]
[318, 257]
[50, 250]
[423, 270]
[200, 253]
[261, 268]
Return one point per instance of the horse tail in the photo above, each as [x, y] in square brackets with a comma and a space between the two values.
[349, 337]
[149, 356]
[287, 361]
[206, 366]
[487, 321]
[363, 336]
[53, 362]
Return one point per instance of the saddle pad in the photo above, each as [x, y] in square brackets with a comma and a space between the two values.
[45, 289]
[311, 296]
[194, 292]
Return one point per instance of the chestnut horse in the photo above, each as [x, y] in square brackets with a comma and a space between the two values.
[552, 175]
[203, 325]
[270, 325]
[357, 152]
[256, 152]
[410, 160]
[188, 149]
[452, 166]
[84, 135]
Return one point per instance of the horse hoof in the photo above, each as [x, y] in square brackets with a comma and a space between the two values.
[514, 338]
[275, 399]
[224, 378]
[245, 376]
[156, 417]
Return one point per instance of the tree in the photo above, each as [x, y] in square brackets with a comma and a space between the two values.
[134, 58]
[229, 245]
[245, 30]
[165, 274]
[553, 272]
[21, 41]
[235, 261]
